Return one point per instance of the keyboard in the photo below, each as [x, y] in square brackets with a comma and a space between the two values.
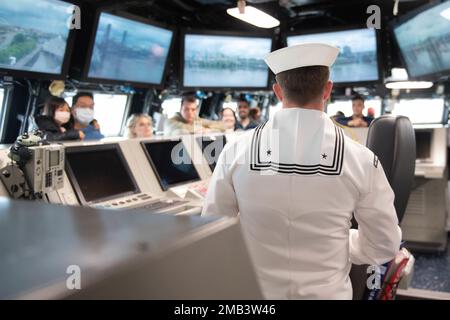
[162, 204]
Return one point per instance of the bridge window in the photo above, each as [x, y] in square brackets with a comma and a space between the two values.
[171, 106]
[421, 111]
[110, 112]
[231, 104]
[345, 106]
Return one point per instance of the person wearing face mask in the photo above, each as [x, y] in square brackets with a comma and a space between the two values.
[83, 114]
[55, 121]
[139, 126]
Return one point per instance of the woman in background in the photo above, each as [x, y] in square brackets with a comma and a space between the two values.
[229, 119]
[140, 126]
[55, 121]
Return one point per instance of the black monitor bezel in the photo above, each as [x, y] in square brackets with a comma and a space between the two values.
[200, 139]
[4, 72]
[75, 184]
[155, 170]
[185, 32]
[85, 74]
[435, 76]
[347, 28]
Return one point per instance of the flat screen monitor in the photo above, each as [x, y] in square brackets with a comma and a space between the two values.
[358, 57]
[128, 50]
[220, 61]
[170, 162]
[423, 144]
[212, 148]
[99, 173]
[34, 36]
[424, 42]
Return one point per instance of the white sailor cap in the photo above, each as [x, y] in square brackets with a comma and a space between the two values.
[302, 55]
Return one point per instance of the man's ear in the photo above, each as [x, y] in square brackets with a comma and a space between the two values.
[278, 91]
[327, 91]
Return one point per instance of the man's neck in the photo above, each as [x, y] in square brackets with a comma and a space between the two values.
[319, 106]
[357, 116]
[79, 126]
[245, 122]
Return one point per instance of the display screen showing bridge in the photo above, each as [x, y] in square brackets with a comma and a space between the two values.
[129, 50]
[424, 41]
[33, 35]
[225, 61]
[358, 57]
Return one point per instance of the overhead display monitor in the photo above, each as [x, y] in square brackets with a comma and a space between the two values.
[98, 173]
[34, 37]
[358, 58]
[212, 147]
[424, 42]
[129, 50]
[221, 61]
[170, 162]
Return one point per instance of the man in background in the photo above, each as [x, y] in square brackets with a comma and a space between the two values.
[245, 122]
[357, 120]
[83, 114]
[188, 122]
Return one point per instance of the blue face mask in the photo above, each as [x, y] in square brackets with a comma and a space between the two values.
[84, 115]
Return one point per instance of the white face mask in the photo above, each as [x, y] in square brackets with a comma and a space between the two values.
[84, 115]
[62, 117]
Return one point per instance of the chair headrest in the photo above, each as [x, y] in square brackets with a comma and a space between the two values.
[393, 140]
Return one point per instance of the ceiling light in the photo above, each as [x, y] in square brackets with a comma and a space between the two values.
[446, 13]
[397, 74]
[409, 85]
[255, 17]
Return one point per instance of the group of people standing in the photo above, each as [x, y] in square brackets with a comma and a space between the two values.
[187, 120]
[60, 122]
[249, 118]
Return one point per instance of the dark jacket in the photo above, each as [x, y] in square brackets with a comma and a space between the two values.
[52, 130]
[346, 120]
[252, 125]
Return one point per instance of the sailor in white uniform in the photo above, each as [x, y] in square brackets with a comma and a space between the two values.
[295, 182]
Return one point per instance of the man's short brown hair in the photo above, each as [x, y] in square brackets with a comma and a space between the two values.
[357, 97]
[303, 85]
[188, 98]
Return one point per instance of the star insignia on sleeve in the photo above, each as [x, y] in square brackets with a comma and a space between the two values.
[324, 156]
[269, 152]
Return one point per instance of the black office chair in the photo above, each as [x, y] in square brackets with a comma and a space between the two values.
[392, 139]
